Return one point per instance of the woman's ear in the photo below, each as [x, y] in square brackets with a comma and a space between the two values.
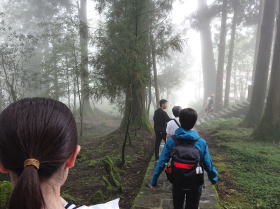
[70, 163]
[2, 169]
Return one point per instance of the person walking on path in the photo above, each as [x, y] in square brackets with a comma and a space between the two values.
[160, 120]
[173, 124]
[210, 104]
[188, 156]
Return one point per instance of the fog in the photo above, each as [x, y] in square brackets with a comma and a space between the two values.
[117, 63]
[187, 91]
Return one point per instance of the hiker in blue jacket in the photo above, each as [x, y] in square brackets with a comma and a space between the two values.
[191, 195]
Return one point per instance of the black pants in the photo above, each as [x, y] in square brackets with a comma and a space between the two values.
[190, 197]
[159, 136]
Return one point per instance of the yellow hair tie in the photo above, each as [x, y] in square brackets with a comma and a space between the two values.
[32, 162]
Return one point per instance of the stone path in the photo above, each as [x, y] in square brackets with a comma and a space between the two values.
[162, 198]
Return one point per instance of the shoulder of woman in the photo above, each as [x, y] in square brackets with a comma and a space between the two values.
[114, 204]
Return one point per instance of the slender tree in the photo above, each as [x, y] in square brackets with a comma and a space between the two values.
[262, 65]
[221, 58]
[84, 38]
[155, 70]
[269, 127]
[162, 37]
[235, 5]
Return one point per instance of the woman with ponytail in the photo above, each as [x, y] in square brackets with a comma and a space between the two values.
[38, 146]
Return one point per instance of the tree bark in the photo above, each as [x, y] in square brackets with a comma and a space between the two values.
[86, 108]
[155, 70]
[135, 93]
[149, 97]
[134, 111]
[235, 90]
[269, 128]
[231, 53]
[262, 65]
[56, 85]
[207, 54]
[221, 59]
[258, 37]
[74, 94]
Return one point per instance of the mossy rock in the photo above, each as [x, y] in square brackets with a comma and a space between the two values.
[97, 197]
[5, 192]
[113, 172]
[92, 163]
[108, 184]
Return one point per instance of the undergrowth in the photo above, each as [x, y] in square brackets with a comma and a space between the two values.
[249, 169]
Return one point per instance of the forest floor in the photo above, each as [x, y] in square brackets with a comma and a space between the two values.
[98, 176]
[249, 170]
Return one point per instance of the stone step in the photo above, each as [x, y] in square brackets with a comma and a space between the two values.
[240, 106]
[223, 113]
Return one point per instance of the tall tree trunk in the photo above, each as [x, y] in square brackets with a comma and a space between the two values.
[235, 91]
[56, 85]
[155, 70]
[269, 128]
[135, 113]
[231, 53]
[86, 108]
[74, 94]
[207, 56]
[262, 66]
[221, 59]
[149, 99]
[258, 37]
[76, 77]
[135, 108]
[68, 90]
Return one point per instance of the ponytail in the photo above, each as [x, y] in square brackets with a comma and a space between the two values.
[27, 193]
[35, 130]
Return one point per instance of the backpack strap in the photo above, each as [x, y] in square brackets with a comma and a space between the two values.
[177, 123]
[175, 139]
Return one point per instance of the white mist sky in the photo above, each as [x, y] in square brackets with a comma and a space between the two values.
[190, 90]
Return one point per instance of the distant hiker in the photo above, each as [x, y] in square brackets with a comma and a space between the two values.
[185, 157]
[173, 124]
[38, 146]
[210, 104]
[160, 120]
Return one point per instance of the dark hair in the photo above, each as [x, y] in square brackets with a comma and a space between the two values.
[176, 110]
[188, 118]
[38, 128]
[162, 102]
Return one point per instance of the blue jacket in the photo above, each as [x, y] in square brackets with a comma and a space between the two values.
[200, 144]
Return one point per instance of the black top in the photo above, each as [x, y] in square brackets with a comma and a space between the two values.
[160, 120]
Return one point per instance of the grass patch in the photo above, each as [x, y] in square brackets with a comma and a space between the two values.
[249, 169]
[5, 191]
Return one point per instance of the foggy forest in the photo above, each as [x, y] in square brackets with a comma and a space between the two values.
[116, 63]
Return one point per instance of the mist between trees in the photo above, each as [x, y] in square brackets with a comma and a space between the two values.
[132, 55]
